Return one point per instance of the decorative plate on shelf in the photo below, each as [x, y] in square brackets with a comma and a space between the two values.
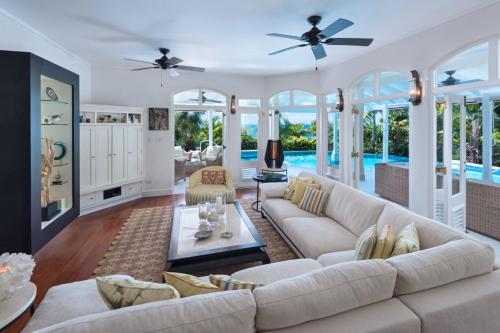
[51, 94]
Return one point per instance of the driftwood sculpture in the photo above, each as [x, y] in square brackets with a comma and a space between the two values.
[47, 163]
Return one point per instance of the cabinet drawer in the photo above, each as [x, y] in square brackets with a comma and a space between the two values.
[88, 200]
[133, 189]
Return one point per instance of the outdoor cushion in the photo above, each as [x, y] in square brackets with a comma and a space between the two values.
[67, 301]
[228, 311]
[280, 209]
[353, 209]
[323, 293]
[469, 305]
[389, 316]
[317, 235]
[276, 271]
[430, 233]
[334, 258]
[440, 265]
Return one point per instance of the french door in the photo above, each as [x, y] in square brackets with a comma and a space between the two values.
[450, 181]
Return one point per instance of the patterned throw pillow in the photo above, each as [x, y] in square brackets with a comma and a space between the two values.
[291, 185]
[211, 177]
[406, 241]
[118, 291]
[225, 282]
[366, 243]
[300, 190]
[385, 243]
[313, 201]
[189, 285]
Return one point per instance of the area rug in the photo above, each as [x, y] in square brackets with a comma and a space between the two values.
[140, 249]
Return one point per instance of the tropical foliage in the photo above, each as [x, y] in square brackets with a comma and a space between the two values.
[373, 132]
[191, 130]
[297, 136]
[248, 142]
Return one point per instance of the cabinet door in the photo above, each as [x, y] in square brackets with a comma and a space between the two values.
[133, 152]
[119, 163]
[103, 155]
[87, 157]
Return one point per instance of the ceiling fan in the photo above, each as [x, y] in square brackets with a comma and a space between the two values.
[167, 63]
[204, 99]
[316, 37]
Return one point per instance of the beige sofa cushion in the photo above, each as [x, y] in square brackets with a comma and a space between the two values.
[353, 209]
[441, 265]
[67, 301]
[470, 305]
[323, 293]
[280, 209]
[317, 235]
[326, 183]
[228, 311]
[430, 233]
[270, 273]
[272, 190]
[334, 258]
[390, 316]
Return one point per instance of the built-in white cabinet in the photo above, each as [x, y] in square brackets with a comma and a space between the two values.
[111, 156]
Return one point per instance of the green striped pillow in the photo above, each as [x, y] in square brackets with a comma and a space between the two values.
[226, 282]
[313, 201]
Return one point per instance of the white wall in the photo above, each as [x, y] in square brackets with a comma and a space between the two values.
[16, 35]
[118, 86]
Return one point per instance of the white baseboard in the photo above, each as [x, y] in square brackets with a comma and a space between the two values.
[156, 193]
[96, 208]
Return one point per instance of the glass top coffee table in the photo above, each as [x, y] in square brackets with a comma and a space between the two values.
[187, 254]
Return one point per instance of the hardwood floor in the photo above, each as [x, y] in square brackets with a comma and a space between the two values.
[74, 253]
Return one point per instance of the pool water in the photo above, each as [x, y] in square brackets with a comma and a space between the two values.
[308, 159]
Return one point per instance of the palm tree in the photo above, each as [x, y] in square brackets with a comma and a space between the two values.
[187, 129]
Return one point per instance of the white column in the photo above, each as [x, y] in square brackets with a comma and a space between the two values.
[210, 127]
[385, 143]
[487, 137]
[422, 150]
[361, 144]
[276, 125]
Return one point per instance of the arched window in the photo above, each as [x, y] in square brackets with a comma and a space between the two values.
[364, 88]
[292, 98]
[381, 84]
[200, 97]
[393, 83]
[468, 66]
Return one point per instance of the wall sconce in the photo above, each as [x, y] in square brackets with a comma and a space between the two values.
[232, 107]
[340, 101]
[415, 88]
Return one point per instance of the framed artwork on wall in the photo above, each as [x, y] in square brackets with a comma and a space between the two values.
[158, 119]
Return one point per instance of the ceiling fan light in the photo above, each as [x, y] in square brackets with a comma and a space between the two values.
[173, 72]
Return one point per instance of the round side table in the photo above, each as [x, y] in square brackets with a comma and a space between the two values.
[14, 306]
[266, 178]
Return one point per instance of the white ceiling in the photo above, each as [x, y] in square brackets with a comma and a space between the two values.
[225, 35]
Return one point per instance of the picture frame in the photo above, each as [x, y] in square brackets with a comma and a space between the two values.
[158, 119]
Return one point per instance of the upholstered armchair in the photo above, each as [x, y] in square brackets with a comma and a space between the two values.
[212, 156]
[199, 192]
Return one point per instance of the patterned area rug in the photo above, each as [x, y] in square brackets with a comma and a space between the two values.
[140, 249]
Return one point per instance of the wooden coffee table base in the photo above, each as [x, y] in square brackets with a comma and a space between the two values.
[193, 265]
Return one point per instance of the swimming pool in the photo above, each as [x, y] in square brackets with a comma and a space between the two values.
[307, 159]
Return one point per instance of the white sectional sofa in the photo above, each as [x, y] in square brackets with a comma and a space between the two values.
[450, 285]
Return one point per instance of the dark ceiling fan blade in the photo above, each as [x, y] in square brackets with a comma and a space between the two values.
[145, 62]
[190, 68]
[318, 51]
[335, 27]
[284, 36]
[288, 48]
[143, 68]
[174, 61]
[349, 41]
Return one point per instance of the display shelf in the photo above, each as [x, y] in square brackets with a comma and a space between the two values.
[60, 165]
[62, 182]
[55, 124]
[52, 101]
[45, 224]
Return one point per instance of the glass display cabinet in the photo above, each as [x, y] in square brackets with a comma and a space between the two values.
[39, 131]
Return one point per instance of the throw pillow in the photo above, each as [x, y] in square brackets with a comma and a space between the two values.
[406, 241]
[385, 243]
[300, 190]
[313, 201]
[213, 177]
[366, 243]
[189, 285]
[291, 185]
[118, 291]
[226, 282]
[188, 155]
